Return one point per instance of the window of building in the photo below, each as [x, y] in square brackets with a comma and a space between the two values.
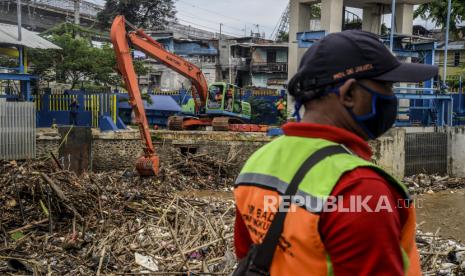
[208, 59]
[456, 58]
[271, 56]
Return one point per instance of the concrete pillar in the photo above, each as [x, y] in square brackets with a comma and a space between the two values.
[372, 19]
[389, 152]
[299, 21]
[456, 151]
[331, 15]
[404, 19]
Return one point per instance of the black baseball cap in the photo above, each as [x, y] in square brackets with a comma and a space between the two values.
[354, 54]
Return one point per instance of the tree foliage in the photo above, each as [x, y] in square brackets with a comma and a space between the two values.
[283, 37]
[153, 14]
[261, 110]
[436, 11]
[77, 61]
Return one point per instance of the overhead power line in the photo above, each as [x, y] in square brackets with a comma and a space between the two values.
[210, 11]
[192, 16]
[219, 14]
[207, 27]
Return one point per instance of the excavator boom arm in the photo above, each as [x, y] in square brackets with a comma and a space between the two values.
[126, 68]
[148, 45]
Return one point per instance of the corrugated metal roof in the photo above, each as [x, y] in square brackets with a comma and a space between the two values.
[453, 45]
[9, 35]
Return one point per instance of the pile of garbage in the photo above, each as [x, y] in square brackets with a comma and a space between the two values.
[424, 183]
[54, 222]
[440, 256]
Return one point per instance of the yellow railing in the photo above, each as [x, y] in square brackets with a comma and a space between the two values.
[96, 104]
[57, 102]
[168, 93]
[265, 92]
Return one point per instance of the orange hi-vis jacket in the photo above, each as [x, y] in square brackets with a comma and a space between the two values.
[301, 250]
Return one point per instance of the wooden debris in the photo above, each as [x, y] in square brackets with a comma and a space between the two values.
[100, 220]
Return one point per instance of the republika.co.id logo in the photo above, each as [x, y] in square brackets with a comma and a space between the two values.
[343, 204]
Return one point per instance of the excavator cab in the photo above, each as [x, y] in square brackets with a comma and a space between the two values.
[215, 97]
[226, 99]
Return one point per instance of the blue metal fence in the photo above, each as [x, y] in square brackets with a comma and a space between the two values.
[97, 110]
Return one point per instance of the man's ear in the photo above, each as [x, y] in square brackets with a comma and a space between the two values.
[346, 95]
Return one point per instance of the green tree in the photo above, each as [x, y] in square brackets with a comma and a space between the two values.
[142, 13]
[261, 109]
[283, 37]
[73, 30]
[315, 11]
[436, 11]
[78, 60]
[104, 72]
[43, 63]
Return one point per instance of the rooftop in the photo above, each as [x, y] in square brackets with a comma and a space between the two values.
[263, 45]
[9, 36]
[453, 45]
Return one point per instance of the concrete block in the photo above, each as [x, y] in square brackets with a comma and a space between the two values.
[389, 152]
[456, 151]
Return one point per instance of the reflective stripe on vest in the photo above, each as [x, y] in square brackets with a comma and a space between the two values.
[312, 203]
[273, 166]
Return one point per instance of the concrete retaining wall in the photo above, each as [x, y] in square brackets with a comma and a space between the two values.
[119, 150]
[46, 142]
[389, 152]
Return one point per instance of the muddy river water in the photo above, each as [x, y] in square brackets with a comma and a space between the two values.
[445, 209]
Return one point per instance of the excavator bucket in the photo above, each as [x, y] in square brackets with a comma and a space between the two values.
[147, 165]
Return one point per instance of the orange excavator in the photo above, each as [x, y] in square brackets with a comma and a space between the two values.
[219, 105]
[148, 164]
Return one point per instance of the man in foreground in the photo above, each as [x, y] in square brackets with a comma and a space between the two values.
[365, 225]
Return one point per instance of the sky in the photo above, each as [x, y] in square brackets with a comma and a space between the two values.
[235, 15]
[239, 17]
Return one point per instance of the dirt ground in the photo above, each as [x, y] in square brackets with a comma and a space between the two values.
[444, 210]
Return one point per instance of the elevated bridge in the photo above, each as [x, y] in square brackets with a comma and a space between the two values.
[40, 15]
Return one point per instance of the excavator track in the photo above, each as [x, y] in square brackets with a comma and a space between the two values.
[175, 123]
[220, 123]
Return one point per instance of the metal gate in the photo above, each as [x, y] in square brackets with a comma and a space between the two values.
[425, 153]
[17, 130]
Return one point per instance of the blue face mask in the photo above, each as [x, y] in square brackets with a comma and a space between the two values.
[382, 116]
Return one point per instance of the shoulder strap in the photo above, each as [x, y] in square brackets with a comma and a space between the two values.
[266, 249]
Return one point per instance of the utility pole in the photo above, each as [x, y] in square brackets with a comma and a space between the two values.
[245, 30]
[77, 12]
[446, 45]
[18, 9]
[221, 25]
[230, 64]
[393, 24]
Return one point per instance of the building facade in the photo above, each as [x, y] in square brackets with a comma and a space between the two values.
[203, 53]
[259, 64]
[455, 58]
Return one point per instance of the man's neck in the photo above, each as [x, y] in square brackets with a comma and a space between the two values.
[327, 116]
